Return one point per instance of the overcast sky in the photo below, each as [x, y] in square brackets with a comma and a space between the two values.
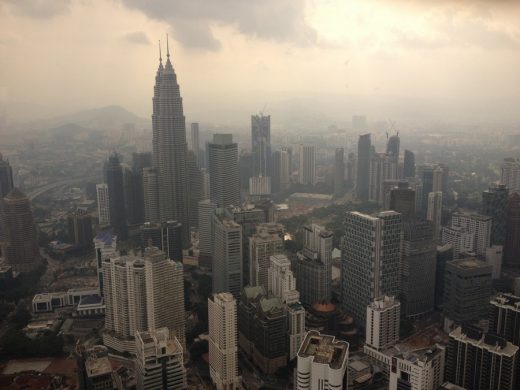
[233, 57]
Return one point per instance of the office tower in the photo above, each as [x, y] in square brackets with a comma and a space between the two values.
[205, 183]
[223, 171]
[103, 204]
[460, 239]
[409, 164]
[167, 236]
[195, 147]
[382, 327]
[286, 168]
[262, 246]
[437, 179]
[261, 144]
[142, 294]
[245, 168]
[116, 196]
[80, 229]
[504, 317]
[494, 204]
[18, 239]
[425, 174]
[151, 195]
[351, 168]
[223, 349]
[6, 177]
[259, 186]
[314, 265]
[363, 167]
[494, 257]
[359, 122]
[382, 168]
[388, 186]
[418, 265]
[392, 147]
[512, 244]
[141, 160]
[479, 226]
[444, 254]
[159, 361]
[194, 189]
[227, 255]
[339, 171]
[416, 185]
[105, 246]
[510, 174]
[276, 160]
[402, 200]
[169, 147]
[206, 210]
[322, 363]
[478, 360]
[307, 170]
[262, 329]
[371, 260]
[467, 289]
[282, 284]
[434, 212]
[134, 187]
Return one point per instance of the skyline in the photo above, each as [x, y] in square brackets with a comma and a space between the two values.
[401, 59]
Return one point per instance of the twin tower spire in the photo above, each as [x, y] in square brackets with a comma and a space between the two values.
[167, 50]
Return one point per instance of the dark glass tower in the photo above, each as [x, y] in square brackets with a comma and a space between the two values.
[409, 164]
[116, 196]
[6, 177]
[363, 167]
[494, 204]
[261, 144]
[512, 246]
[169, 147]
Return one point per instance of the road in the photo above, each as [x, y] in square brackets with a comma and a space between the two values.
[33, 194]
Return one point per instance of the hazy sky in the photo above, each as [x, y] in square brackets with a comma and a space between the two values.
[232, 57]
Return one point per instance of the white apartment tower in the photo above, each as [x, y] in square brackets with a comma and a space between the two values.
[479, 226]
[159, 361]
[461, 240]
[510, 174]
[103, 204]
[223, 350]
[307, 171]
[382, 327]
[262, 246]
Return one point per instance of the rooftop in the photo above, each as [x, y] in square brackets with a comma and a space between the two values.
[469, 263]
[97, 366]
[492, 343]
[506, 300]
[325, 349]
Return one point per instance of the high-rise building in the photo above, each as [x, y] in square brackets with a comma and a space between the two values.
[227, 255]
[281, 170]
[135, 189]
[444, 254]
[307, 170]
[159, 361]
[363, 167]
[382, 167]
[116, 196]
[194, 188]
[245, 168]
[494, 257]
[478, 360]
[206, 210]
[151, 195]
[167, 236]
[459, 238]
[504, 317]
[392, 147]
[223, 171]
[314, 265]
[494, 204]
[383, 318]
[479, 226]
[223, 343]
[94, 368]
[6, 177]
[261, 145]
[322, 363]
[276, 161]
[195, 147]
[105, 245]
[169, 147]
[339, 171]
[434, 212]
[425, 174]
[371, 260]
[418, 258]
[262, 246]
[409, 164]
[512, 244]
[467, 289]
[259, 186]
[80, 229]
[402, 200]
[510, 174]
[18, 239]
[103, 204]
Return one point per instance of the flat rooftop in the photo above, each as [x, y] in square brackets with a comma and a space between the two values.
[469, 263]
[98, 366]
[325, 349]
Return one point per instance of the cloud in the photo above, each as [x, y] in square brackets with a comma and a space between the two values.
[38, 9]
[192, 20]
[137, 37]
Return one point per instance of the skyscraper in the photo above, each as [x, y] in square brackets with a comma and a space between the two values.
[444, 254]
[512, 245]
[339, 171]
[261, 145]
[159, 361]
[223, 343]
[425, 174]
[116, 196]
[103, 204]
[151, 195]
[409, 164]
[80, 229]
[494, 204]
[402, 200]
[206, 210]
[262, 246]
[363, 167]
[478, 225]
[195, 188]
[223, 171]
[435, 212]
[134, 187]
[195, 147]
[371, 260]
[510, 174]
[382, 328]
[307, 170]
[504, 317]
[6, 177]
[392, 147]
[169, 147]
[167, 236]
[18, 232]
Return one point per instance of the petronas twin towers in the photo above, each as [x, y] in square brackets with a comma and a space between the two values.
[169, 147]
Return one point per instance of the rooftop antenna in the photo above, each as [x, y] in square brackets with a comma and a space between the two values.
[160, 53]
[167, 47]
